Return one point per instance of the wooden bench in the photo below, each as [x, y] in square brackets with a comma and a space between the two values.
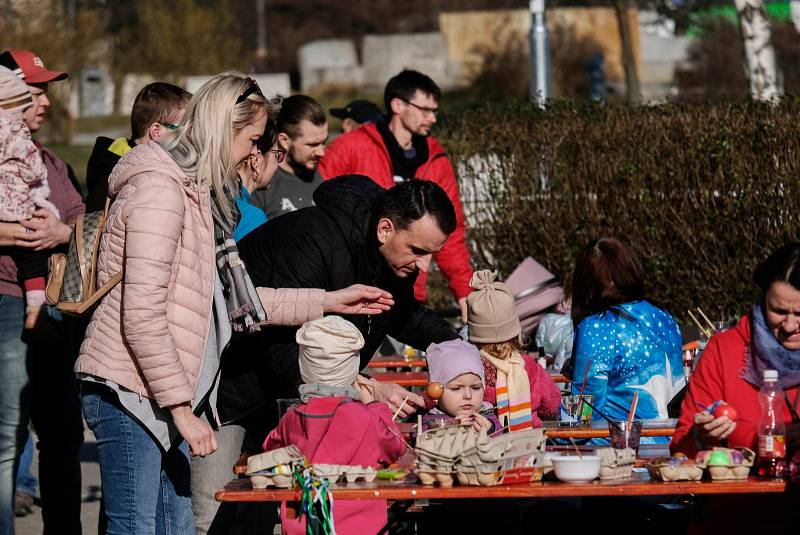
[397, 361]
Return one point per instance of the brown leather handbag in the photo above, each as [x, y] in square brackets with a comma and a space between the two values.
[72, 283]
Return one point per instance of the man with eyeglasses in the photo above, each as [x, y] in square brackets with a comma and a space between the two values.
[400, 149]
[158, 108]
[302, 132]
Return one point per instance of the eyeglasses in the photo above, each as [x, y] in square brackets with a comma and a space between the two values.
[251, 88]
[424, 109]
[280, 154]
[168, 125]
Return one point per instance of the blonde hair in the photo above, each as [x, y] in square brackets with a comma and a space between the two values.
[502, 350]
[202, 145]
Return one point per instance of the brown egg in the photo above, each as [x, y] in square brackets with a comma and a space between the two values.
[435, 390]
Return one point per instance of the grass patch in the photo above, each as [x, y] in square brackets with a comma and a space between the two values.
[77, 156]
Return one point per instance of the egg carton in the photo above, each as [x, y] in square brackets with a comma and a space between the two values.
[616, 463]
[664, 471]
[351, 474]
[728, 472]
[435, 474]
[476, 459]
[274, 468]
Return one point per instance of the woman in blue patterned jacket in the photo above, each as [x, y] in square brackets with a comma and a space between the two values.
[628, 343]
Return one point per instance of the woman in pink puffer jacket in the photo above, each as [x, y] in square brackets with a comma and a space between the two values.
[151, 354]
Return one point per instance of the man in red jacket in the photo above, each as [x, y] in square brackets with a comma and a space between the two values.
[403, 149]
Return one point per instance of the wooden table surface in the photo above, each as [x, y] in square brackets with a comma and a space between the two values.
[639, 484]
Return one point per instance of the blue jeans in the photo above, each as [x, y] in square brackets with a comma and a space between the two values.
[14, 396]
[27, 482]
[145, 490]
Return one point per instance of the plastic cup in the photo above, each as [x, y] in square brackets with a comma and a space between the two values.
[284, 404]
[624, 434]
[574, 412]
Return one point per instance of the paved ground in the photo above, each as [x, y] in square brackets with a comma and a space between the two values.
[32, 524]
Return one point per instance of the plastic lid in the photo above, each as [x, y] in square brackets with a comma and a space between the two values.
[770, 376]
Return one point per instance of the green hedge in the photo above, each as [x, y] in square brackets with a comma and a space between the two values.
[702, 192]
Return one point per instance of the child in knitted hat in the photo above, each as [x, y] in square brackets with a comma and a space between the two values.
[456, 366]
[332, 426]
[23, 186]
[515, 382]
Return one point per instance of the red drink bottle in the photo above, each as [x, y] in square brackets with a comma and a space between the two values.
[771, 429]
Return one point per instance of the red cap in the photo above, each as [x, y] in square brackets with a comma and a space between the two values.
[29, 67]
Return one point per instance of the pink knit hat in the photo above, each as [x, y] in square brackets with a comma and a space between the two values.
[448, 360]
[14, 94]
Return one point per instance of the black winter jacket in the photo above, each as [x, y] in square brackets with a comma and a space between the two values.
[331, 245]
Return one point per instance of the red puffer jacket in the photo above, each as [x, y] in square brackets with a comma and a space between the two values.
[362, 152]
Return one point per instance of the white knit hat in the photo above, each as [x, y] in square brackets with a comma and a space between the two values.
[329, 349]
[14, 94]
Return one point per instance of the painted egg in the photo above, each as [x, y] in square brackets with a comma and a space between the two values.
[435, 390]
[721, 458]
[737, 457]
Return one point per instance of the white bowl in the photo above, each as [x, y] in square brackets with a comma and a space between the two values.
[574, 469]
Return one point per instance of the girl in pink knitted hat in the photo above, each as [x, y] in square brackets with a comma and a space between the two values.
[23, 186]
[456, 366]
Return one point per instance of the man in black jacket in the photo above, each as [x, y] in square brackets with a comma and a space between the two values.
[358, 233]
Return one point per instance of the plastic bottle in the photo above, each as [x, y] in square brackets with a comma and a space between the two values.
[771, 429]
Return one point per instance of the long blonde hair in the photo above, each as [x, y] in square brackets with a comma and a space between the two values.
[202, 145]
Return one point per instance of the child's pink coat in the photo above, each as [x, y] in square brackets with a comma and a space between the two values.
[341, 431]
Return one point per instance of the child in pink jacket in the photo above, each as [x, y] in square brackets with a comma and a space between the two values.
[332, 426]
[23, 186]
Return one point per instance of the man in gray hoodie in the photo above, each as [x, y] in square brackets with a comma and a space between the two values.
[303, 132]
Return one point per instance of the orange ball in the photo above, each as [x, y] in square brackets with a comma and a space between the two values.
[435, 390]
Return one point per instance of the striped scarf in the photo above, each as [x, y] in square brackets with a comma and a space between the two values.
[513, 392]
[244, 306]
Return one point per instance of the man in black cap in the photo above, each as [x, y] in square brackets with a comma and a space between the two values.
[357, 113]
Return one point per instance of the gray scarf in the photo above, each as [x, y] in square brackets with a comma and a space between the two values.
[767, 353]
[244, 306]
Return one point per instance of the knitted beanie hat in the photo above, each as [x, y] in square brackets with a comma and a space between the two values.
[491, 311]
[329, 351]
[14, 94]
[448, 360]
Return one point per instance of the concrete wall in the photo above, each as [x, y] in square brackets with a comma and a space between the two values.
[466, 33]
[386, 55]
[271, 84]
[329, 61]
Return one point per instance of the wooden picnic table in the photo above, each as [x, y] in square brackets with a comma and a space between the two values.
[421, 378]
[599, 429]
[409, 488]
[397, 361]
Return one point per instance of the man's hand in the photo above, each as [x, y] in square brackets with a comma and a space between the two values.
[710, 431]
[197, 433]
[394, 396]
[358, 299]
[462, 304]
[44, 231]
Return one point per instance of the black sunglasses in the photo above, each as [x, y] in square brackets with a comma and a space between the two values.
[252, 87]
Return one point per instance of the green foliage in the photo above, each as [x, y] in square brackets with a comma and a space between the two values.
[702, 192]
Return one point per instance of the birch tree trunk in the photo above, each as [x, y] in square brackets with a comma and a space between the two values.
[759, 56]
[632, 85]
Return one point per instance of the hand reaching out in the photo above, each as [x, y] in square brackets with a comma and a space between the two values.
[358, 299]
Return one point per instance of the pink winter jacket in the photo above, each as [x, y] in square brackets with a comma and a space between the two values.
[149, 333]
[338, 430]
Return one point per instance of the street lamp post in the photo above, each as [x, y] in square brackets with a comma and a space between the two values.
[540, 55]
